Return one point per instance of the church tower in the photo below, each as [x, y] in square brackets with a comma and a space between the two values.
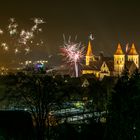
[119, 60]
[133, 55]
[89, 54]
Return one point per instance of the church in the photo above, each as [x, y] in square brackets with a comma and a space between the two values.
[101, 66]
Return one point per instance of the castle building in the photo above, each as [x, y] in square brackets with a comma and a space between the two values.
[101, 66]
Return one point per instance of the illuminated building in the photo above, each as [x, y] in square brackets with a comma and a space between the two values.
[89, 55]
[101, 66]
[119, 61]
[133, 55]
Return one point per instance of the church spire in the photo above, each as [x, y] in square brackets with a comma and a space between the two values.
[119, 50]
[133, 55]
[119, 60]
[89, 50]
[133, 50]
[89, 54]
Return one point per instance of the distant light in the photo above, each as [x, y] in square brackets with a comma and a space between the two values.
[1, 31]
[39, 65]
[25, 109]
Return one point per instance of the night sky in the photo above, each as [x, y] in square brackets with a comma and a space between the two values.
[110, 22]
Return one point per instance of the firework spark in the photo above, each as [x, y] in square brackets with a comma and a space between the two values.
[25, 36]
[16, 50]
[73, 53]
[20, 38]
[37, 22]
[5, 46]
[12, 27]
[27, 50]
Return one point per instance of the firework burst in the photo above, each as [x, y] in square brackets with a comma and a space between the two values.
[20, 40]
[12, 27]
[73, 53]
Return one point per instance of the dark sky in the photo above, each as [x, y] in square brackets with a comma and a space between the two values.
[110, 22]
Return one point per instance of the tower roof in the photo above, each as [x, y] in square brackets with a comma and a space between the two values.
[133, 50]
[89, 50]
[119, 50]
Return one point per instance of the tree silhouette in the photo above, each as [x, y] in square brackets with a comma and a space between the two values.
[38, 93]
[123, 118]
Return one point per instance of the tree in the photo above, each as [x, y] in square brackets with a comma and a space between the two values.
[123, 118]
[135, 102]
[38, 93]
[97, 94]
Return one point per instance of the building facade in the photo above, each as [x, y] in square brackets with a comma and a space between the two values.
[101, 66]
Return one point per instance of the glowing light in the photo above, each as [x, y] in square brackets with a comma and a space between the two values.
[40, 29]
[1, 31]
[27, 62]
[3, 70]
[42, 42]
[16, 51]
[3, 44]
[91, 37]
[6, 48]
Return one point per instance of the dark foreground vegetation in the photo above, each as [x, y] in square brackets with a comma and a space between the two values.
[105, 110]
[16, 125]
